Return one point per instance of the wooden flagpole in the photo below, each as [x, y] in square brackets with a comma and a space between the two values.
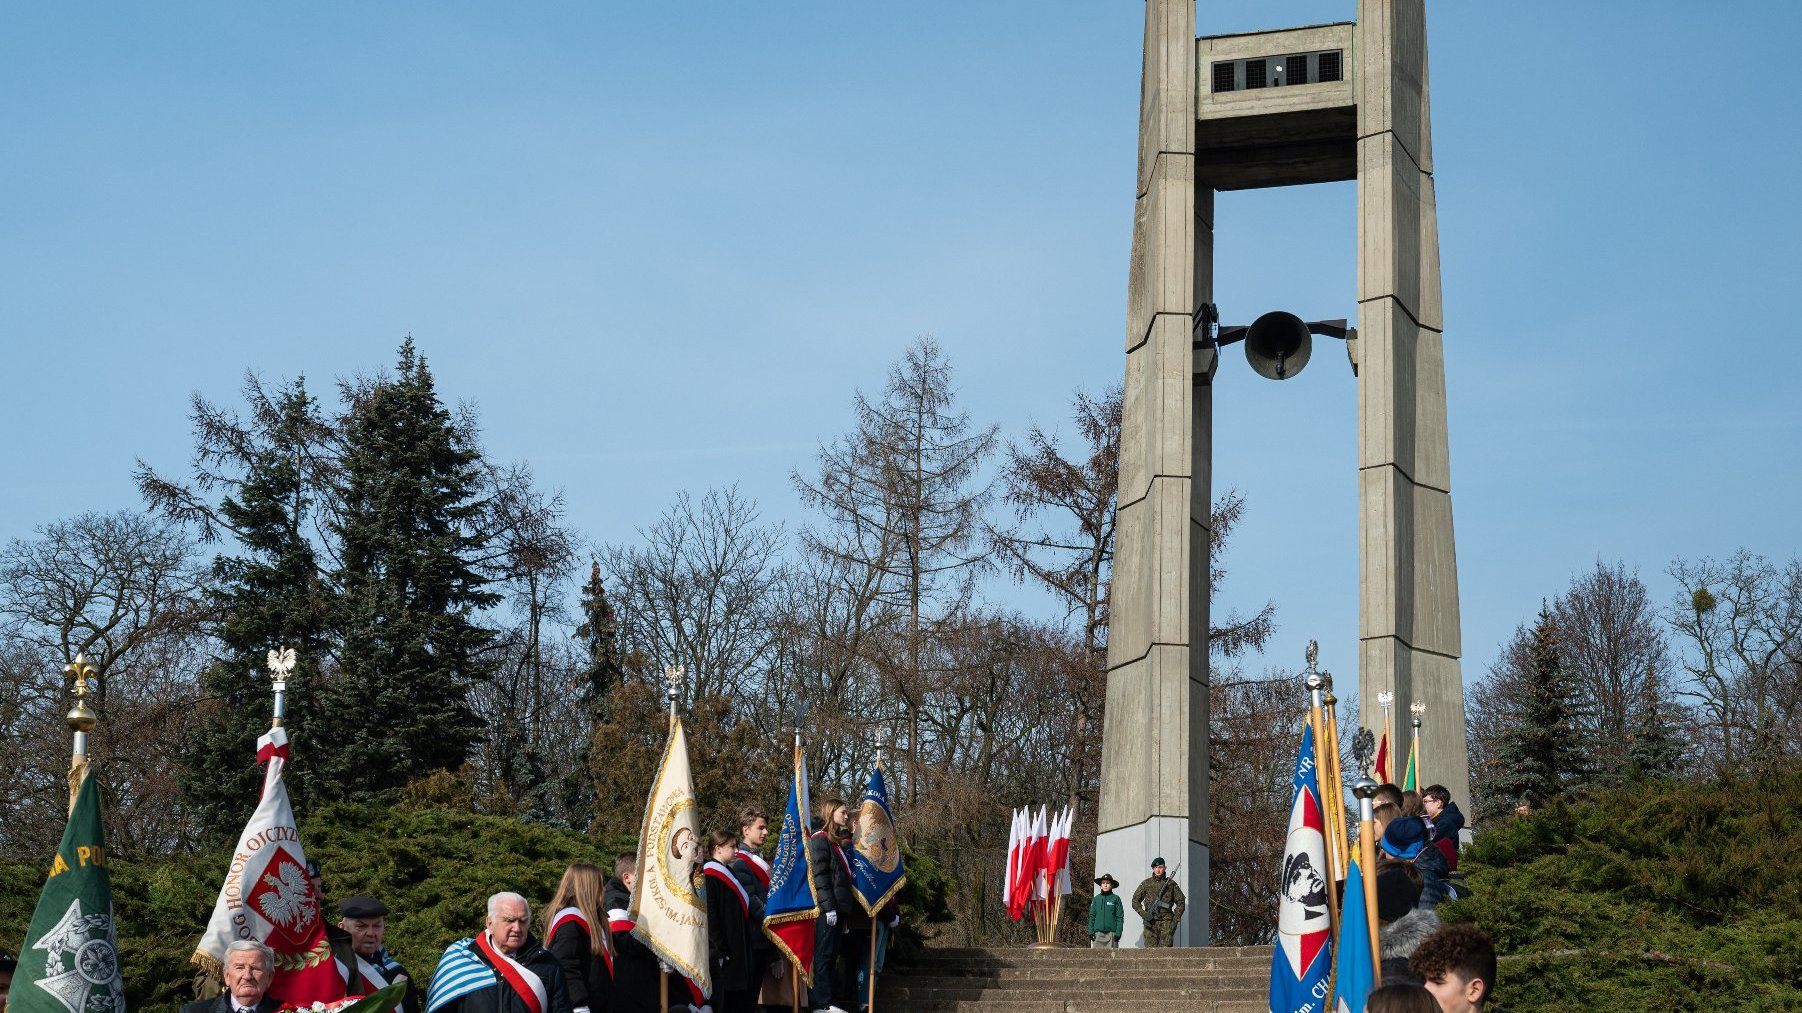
[1366, 789]
[1316, 725]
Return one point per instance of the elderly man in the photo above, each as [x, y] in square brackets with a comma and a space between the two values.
[501, 970]
[365, 921]
[249, 968]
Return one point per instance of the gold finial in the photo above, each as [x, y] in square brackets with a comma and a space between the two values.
[81, 717]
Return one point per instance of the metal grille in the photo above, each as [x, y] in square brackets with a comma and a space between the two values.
[1296, 69]
[1255, 71]
[1223, 77]
[1329, 65]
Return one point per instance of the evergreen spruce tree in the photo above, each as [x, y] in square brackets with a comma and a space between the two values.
[268, 595]
[408, 591]
[1656, 749]
[1540, 756]
[599, 633]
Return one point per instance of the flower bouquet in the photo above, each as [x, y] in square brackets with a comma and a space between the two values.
[379, 1001]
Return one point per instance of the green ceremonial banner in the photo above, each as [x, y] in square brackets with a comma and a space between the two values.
[70, 960]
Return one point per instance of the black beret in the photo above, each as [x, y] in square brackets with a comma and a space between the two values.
[362, 907]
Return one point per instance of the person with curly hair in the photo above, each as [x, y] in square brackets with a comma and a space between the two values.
[1458, 965]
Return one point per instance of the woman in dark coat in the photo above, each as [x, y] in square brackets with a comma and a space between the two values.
[575, 927]
[729, 930]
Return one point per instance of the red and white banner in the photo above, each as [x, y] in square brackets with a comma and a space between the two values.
[268, 898]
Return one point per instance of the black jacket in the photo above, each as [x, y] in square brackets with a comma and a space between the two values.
[585, 975]
[728, 938]
[762, 950]
[222, 1003]
[501, 998]
[634, 965]
[832, 869]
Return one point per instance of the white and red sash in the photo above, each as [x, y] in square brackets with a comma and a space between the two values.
[759, 867]
[526, 984]
[372, 978]
[574, 914]
[620, 920]
[719, 873]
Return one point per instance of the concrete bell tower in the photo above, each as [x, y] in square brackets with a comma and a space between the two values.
[1281, 108]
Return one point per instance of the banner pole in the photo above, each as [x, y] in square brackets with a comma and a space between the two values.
[1316, 725]
[1366, 789]
[81, 720]
[794, 992]
[872, 1003]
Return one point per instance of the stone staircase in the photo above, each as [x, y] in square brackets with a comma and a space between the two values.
[1219, 979]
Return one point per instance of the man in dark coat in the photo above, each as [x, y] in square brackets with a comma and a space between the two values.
[249, 970]
[753, 872]
[364, 922]
[635, 971]
[1405, 839]
[501, 970]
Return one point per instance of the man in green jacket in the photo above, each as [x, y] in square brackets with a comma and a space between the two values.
[1107, 916]
[1160, 902]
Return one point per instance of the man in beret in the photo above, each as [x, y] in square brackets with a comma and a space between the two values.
[1160, 903]
[365, 921]
[1107, 916]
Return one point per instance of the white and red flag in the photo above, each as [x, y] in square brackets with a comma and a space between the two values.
[268, 898]
[1057, 854]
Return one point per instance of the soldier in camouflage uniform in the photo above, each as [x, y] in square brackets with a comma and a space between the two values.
[1160, 902]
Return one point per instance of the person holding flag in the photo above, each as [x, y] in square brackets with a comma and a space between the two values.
[790, 908]
[70, 960]
[267, 896]
[877, 875]
[1303, 960]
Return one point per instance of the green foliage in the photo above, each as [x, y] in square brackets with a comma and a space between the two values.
[407, 591]
[269, 595]
[1656, 896]
[1540, 756]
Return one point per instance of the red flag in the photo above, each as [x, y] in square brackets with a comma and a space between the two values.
[1383, 755]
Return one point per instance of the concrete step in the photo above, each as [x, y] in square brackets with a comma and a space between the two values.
[1206, 979]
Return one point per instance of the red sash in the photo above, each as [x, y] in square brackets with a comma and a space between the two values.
[528, 986]
[574, 914]
[759, 867]
[719, 873]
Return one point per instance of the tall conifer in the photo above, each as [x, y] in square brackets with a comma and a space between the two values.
[266, 595]
[1540, 755]
[409, 593]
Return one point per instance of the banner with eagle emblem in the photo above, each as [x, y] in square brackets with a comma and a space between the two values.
[268, 897]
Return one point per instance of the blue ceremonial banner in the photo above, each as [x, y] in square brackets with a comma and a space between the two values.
[876, 858]
[789, 913]
[1357, 972]
[1304, 957]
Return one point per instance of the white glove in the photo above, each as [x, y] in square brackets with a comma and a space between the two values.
[892, 922]
[580, 1009]
[665, 968]
[832, 918]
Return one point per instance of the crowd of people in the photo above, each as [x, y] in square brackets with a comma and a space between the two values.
[578, 953]
[584, 958]
[1428, 967]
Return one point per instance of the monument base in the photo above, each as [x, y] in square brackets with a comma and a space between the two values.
[1126, 854]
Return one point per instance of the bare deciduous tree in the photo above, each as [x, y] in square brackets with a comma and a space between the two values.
[1741, 624]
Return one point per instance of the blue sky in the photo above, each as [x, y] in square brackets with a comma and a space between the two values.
[659, 245]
